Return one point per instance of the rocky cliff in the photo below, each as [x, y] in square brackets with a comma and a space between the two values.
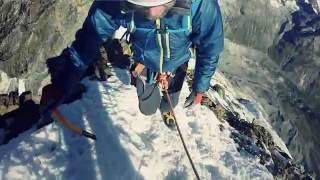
[272, 54]
[31, 31]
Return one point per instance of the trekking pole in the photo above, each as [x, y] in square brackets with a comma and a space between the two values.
[181, 137]
[59, 117]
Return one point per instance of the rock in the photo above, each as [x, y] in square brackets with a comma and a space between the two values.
[256, 140]
[25, 96]
[245, 22]
[220, 90]
[281, 69]
[32, 31]
[9, 102]
[21, 119]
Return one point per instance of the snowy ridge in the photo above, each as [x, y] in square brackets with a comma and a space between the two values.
[247, 108]
[130, 145]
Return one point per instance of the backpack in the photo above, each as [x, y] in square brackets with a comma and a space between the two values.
[183, 7]
[185, 11]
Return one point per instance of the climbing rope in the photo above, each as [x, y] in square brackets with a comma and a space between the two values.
[181, 137]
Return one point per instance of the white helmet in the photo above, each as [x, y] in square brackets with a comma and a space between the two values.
[149, 3]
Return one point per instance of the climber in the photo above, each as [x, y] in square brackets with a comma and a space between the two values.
[162, 32]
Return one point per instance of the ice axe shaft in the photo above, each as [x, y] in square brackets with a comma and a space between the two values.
[59, 117]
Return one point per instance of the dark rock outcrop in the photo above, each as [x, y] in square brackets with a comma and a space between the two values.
[17, 121]
[32, 31]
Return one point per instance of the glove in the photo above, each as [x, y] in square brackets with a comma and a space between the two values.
[58, 68]
[50, 99]
[50, 96]
[193, 99]
[163, 79]
[65, 71]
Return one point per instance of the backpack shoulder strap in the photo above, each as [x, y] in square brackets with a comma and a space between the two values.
[194, 7]
[187, 20]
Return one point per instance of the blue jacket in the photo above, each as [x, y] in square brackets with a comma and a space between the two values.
[162, 46]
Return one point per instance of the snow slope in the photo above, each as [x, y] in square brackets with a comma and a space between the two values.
[130, 145]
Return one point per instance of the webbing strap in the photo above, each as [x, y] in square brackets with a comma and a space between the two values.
[188, 19]
[132, 24]
[168, 45]
[158, 24]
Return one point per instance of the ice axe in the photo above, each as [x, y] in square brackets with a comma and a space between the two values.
[59, 117]
[49, 110]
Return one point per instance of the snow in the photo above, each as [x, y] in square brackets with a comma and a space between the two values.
[129, 145]
[21, 86]
[6, 81]
[275, 3]
[7, 84]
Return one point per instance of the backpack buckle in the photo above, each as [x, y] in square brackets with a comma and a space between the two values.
[161, 31]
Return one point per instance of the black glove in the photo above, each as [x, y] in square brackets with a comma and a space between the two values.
[60, 70]
[50, 96]
[50, 99]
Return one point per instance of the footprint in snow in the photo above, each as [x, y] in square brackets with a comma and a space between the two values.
[194, 127]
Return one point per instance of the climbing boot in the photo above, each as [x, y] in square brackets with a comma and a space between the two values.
[169, 119]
